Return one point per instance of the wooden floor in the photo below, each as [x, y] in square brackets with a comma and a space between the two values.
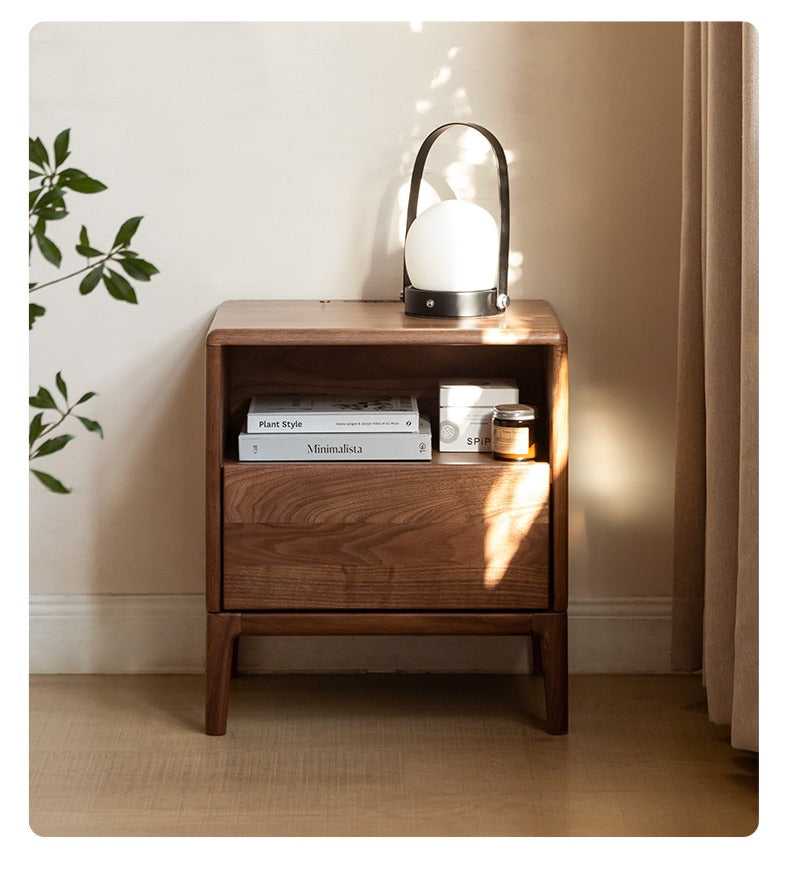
[368, 755]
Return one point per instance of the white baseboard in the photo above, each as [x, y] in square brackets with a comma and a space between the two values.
[145, 634]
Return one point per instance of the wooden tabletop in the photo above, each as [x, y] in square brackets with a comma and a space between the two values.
[336, 322]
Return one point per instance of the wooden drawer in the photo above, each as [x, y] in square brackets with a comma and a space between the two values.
[404, 536]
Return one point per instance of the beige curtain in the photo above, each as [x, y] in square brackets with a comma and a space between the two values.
[716, 564]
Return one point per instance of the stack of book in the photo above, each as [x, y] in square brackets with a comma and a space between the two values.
[332, 428]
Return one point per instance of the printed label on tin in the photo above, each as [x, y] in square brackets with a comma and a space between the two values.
[511, 441]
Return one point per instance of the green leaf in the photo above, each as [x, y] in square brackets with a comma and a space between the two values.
[91, 280]
[52, 197]
[119, 287]
[51, 483]
[86, 186]
[88, 251]
[43, 400]
[38, 153]
[36, 427]
[77, 180]
[32, 198]
[53, 445]
[126, 232]
[35, 311]
[138, 269]
[52, 206]
[61, 146]
[150, 269]
[60, 382]
[92, 426]
[35, 174]
[49, 250]
[53, 213]
[69, 173]
[87, 396]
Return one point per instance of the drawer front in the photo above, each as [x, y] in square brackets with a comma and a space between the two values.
[404, 536]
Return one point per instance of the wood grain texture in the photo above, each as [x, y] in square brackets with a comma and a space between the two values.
[378, 535]
[249, 322]
[385, 623]
[296, 571]
[222, 631]
[551, 630]
[215, 446]
[471, 492]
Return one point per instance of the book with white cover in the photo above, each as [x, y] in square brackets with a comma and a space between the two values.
[360, 446]
[306, 413]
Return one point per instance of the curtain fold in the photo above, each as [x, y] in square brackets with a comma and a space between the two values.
[715, 570]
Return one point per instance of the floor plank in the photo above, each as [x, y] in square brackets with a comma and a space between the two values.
[383, 755]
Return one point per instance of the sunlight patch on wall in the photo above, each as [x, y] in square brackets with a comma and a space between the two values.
[616, 461]
[464, 176]
[442, 76]
[515, 260]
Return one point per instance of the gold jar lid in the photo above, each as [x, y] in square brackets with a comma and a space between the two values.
[514, 412]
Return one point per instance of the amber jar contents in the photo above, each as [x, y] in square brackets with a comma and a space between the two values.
[513, 432]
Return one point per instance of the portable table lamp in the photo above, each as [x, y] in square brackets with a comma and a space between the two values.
[452, 263]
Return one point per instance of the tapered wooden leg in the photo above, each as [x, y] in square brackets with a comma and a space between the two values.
[222, 629]
[537, 664]
[234, 662]
[552, 629]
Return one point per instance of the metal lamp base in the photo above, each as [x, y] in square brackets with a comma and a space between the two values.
[435, 303]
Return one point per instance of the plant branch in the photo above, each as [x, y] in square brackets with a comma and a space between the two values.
[101, 261]
[47, 429]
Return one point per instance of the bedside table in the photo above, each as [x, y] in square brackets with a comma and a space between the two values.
[462, 544]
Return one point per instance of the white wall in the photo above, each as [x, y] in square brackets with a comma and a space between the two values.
[267, 160]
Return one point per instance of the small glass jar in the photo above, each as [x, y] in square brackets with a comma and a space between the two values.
[513, 432]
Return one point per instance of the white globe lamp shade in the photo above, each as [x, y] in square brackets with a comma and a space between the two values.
[453, 247]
